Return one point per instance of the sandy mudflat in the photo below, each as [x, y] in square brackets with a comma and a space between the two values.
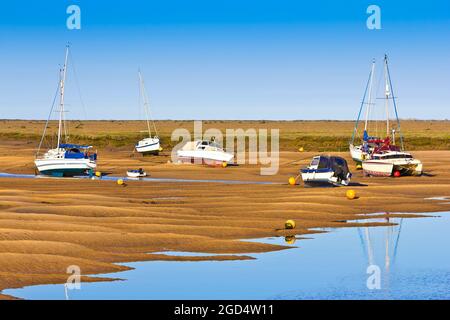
[48, 224]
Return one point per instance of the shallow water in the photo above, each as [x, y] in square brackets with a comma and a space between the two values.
[413, 258]
[146, 179]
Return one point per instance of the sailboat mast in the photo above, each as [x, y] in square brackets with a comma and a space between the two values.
[387, 93]
[61, 98]
[145, 99]
[369, 101]
[355, 129]
[394, 102]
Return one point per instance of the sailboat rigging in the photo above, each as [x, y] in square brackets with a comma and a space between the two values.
[378, 156]
[65, 159]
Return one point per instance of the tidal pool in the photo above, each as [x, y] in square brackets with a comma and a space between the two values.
[146, 179]
[413, 258]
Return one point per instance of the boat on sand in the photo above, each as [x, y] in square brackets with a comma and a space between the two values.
[139, 173]
[65, 159]
[204, 151]
[324, 170]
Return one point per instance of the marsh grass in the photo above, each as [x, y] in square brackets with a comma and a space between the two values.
[319, 136]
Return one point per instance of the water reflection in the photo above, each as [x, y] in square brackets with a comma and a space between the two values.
[413, 258]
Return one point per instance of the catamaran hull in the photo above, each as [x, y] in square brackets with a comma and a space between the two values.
[321, 178]
[151, 148]
[386, 169]
[377, 169]
[65, 167]
[202, 157]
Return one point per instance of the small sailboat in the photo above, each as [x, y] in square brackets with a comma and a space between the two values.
[66, 159]
[140, 173]
[377, 156]
[325, 170]
[151, 144]
[204, 151]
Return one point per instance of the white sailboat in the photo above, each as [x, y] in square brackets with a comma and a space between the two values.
[382, 157]
[204, 151]
[65, 159]
[387, 159]
[151, 144]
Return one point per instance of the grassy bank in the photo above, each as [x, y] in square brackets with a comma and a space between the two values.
[322, 136]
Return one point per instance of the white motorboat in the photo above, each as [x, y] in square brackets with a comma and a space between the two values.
[326, 171]
[151, 144]
[65, 159]
[391, 163]
[204, 151]
[140, 173]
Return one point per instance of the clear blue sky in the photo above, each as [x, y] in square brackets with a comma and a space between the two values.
[223, 59]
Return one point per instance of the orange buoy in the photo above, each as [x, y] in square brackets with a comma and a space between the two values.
[350, 194]
[292, 181]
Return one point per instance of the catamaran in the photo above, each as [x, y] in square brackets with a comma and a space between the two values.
[66, 159]
[151, 144]
[377, 156]
[204, 151]
[388, 160]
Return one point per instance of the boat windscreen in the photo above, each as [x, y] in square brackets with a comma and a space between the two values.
[314, 162]
[324, 163]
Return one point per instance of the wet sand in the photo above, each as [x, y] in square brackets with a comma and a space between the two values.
[48, 224]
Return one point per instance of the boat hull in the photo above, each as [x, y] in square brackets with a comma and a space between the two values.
[387, 169]
[136, 174]
[378, 169]
[148, 146]
[65, 167]
[204, 157]
[320, 177]
[357, 154]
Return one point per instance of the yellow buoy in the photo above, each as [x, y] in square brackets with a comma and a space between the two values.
[120, 182]
[358, 166]
[351, 194]
[289, 224]
[98, 174]
[292, 181]
[301, 149]
[224, 164]
[160, 149]
[289, 239]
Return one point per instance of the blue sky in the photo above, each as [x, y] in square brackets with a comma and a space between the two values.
[223, 59]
